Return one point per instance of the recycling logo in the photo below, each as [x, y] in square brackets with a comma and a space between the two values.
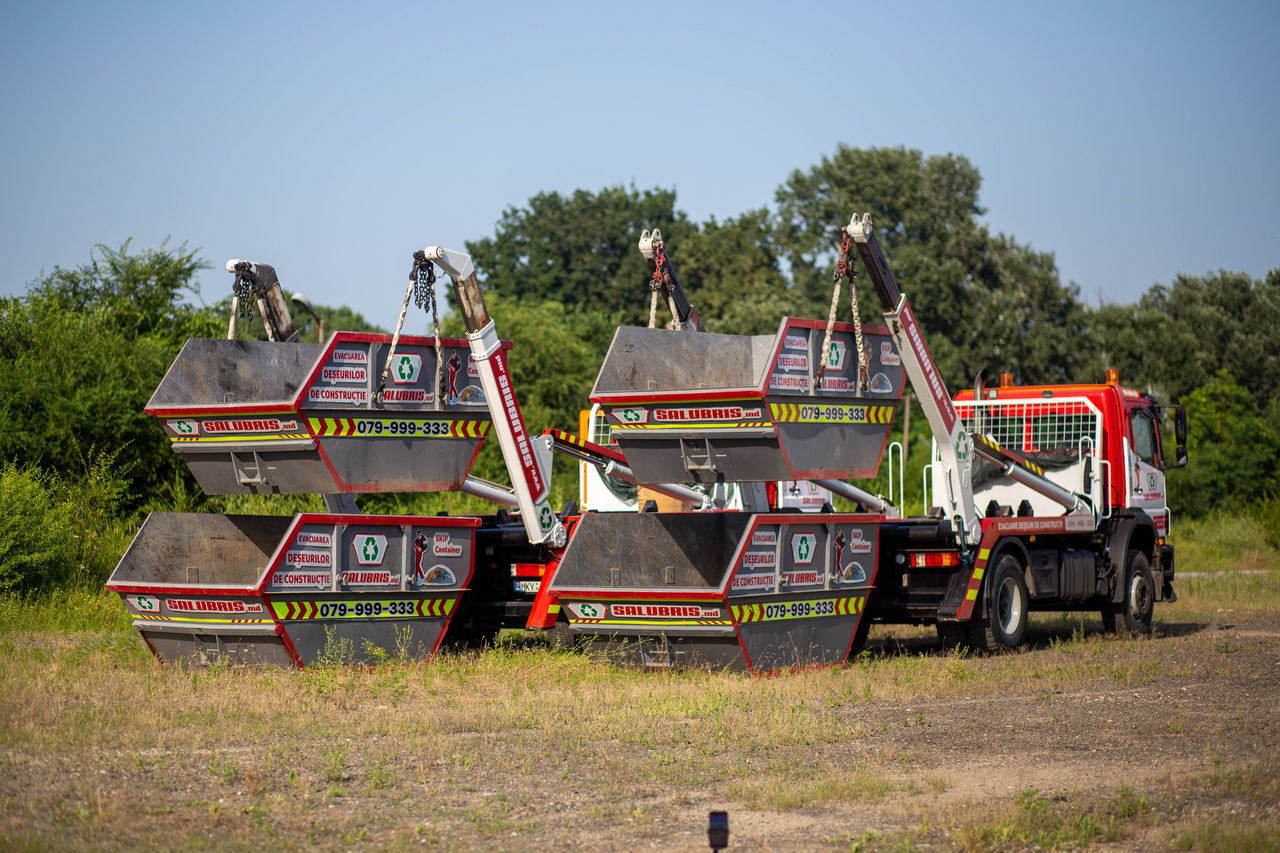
[184, 427]
[802, 548]
[588, 611]
[633, 416]
[546, 518]
[407, 368]
[835, 355]
[370, 549]
[144, 603]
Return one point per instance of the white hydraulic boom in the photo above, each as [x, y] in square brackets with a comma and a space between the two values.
[954, 443]
[527, 460]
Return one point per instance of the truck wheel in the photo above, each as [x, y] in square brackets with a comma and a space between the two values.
[1139, 598]
[1006, 621]
[560, 638]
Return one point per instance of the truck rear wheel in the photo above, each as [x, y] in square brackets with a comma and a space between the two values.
[1139, 598]
[1006, 622]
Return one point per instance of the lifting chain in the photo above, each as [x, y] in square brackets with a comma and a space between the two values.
[660, 283]
[244, 293]
[422, 290]
[844, 269]
[245, 289]
[424, 294]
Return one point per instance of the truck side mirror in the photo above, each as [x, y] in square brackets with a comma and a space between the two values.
[1180, 434]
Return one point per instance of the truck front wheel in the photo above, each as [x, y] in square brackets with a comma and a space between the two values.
[1006, 621]
[1139, 598]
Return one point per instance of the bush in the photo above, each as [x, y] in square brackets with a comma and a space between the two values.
[56, 531]
[37, 543]
[1267, 512]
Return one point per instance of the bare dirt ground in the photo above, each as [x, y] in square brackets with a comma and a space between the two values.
[1082, 740]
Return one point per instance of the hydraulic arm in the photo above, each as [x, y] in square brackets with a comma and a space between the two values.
[955, 445]
[527, 460]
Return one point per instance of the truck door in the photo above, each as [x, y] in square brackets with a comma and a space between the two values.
[1143, 474]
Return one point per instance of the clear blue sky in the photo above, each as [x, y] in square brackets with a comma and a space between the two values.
[1133, 140]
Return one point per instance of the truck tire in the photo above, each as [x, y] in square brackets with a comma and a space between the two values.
[1139, 598]
[560, 638]
[1006, 622]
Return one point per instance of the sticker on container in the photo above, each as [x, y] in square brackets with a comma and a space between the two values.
[370, 548]
[436, 575]
[406, 369]
[802, 547]
[145, 603]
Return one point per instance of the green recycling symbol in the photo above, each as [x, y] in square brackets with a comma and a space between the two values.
[546, 518]
[184, 427]
[405, 368]
[588, 611]
[370, 549]
[631, 416]
[802, 548]
[833, 355]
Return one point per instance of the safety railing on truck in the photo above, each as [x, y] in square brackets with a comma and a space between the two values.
[1058, 436]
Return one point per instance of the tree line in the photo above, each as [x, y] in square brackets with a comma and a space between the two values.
[82, 350]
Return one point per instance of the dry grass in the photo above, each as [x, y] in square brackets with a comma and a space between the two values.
[520, 747]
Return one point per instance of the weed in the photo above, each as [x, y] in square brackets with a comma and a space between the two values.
[381, 776]
[335, 764]
[256, 814]
[491, 818]
[224, 769]
[337, 651]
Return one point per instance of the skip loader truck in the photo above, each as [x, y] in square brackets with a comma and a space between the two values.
[1039, 497]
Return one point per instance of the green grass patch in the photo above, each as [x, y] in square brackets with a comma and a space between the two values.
[1230, 838]
[64, 609]
[1227, 567]
[1054, 822]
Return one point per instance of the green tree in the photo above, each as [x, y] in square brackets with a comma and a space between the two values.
[986, 302]
[1177, 338]
[80, 356]
[732, 273]
[1234, 448]
[579, 249]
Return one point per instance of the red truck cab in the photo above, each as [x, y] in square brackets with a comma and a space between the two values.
[1117, 433]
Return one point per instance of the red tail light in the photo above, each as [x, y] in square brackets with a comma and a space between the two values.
[934, 559]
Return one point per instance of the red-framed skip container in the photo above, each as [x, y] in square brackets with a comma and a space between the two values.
[316, 588]
[719, 589]
[708, 408]
[295, 418]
